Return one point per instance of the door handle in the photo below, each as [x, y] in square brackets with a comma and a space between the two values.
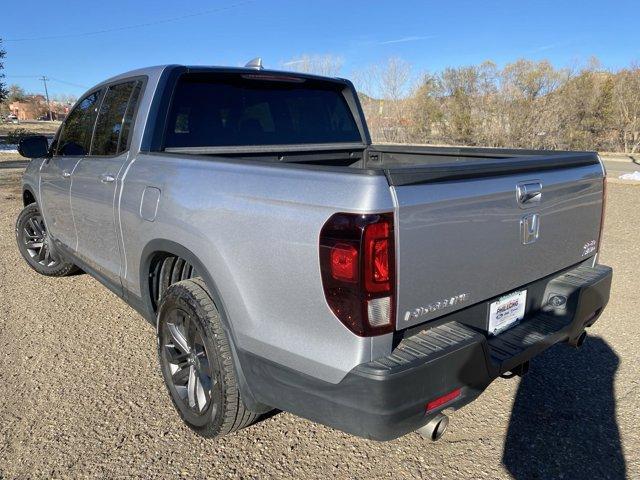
[66, 173]
[106, 178]
[529, 193]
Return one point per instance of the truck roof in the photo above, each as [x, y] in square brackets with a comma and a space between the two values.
[156, 70]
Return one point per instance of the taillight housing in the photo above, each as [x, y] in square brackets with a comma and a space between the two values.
[357, 262]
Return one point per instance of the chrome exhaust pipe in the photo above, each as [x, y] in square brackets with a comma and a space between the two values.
[435, 428]
[578, 341]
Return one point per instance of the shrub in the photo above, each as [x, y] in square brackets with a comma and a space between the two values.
[14, 136]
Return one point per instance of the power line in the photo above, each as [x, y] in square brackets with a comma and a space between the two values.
[68, 83]
[128, 27]
[57, 80]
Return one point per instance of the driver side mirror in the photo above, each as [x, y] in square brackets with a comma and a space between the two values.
[34, 146]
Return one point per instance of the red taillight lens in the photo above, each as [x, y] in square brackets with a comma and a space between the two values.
[344, 262]
[358, 271]
[381, 261]
[376, 253]
[438, 402]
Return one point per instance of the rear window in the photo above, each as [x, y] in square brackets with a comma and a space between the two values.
[230, 110]
[111, 134]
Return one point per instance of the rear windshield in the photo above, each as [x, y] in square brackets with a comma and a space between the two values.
[233, 110]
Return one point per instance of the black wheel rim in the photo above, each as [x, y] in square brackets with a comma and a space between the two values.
[187, 363]
[36, 241]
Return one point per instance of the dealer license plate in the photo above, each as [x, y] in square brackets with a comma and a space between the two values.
[507, 311]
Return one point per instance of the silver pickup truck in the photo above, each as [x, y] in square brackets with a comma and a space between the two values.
[291, 264]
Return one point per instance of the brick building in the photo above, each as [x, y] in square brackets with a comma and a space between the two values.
[34, 107]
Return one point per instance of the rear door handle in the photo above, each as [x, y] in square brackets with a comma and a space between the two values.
[66, 173]
[106, 178]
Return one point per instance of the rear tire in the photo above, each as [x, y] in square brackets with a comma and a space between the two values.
[196, 361]
[35, 245]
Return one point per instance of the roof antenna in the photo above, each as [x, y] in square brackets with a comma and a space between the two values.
[255, 63]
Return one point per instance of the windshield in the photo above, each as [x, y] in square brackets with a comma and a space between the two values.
[242, 109]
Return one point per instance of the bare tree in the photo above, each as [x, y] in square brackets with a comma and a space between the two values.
[395, 79]
[459, 89]
[527, 89]
[15, 93]
[626, 100]
[582, 109]
[65, 98]
[426, 111]
[386, 99]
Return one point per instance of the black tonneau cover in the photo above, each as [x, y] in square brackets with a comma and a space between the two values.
[408, 165]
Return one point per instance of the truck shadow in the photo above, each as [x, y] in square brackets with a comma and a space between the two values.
[563, 421]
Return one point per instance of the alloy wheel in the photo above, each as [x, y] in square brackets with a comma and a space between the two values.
[36, 241]
[186, 359]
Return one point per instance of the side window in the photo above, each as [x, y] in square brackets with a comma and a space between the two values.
[115, 118]
[127, 125]
[75, 137]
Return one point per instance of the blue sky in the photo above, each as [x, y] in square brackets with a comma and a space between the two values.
[429, 35]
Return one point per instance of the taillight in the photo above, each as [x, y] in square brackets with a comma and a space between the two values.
[344, 263]
[357, 262]
[376, 254]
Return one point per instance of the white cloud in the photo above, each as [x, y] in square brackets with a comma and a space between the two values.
[413, 38]
[293, 62]
[546, 47]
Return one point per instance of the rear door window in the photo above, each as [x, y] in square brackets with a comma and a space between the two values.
[113, 126]
[75, 137]
[217, 110]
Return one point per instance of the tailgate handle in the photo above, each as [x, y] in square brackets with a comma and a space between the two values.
[529, 193]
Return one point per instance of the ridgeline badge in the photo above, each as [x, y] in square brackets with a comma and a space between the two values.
[418, 312]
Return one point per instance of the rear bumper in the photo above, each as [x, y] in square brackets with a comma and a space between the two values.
[387, 398]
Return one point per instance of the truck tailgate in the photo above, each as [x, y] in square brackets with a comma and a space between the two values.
[465, 239]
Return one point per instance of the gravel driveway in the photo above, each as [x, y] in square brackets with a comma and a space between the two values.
[81, 394]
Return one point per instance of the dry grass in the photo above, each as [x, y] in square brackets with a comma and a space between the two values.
[35, 127]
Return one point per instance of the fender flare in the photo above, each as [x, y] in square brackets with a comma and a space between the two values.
[171, 247]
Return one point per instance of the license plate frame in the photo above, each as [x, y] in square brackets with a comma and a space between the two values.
[506, 312]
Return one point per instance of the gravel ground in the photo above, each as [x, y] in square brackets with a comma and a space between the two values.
[81, 394]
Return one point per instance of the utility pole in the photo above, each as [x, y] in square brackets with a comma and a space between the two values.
[46, 92]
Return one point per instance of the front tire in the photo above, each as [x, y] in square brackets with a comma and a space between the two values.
[35, 244]
[196, 362]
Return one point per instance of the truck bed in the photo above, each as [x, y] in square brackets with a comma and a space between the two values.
[405, 164]
[459, 221]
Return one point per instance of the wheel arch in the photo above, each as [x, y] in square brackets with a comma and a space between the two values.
[28, 196]
[168, 247]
